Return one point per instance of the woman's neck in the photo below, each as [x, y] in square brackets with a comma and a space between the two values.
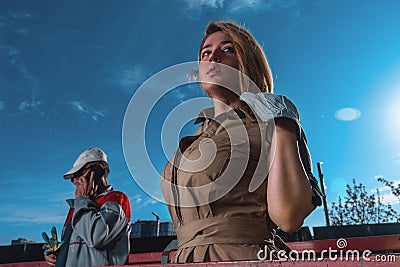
[225, 104]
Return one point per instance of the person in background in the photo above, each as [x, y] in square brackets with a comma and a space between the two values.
[230, 145]
[97, 229]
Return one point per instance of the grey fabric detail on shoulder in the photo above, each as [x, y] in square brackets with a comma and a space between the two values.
[268, 106]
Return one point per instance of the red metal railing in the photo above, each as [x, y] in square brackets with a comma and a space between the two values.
[385, 253]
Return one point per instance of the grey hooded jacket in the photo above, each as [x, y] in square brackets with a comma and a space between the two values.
[100, 231]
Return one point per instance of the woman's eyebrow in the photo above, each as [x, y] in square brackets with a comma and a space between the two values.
[221, 43]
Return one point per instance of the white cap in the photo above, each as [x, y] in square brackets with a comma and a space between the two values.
[90, 155]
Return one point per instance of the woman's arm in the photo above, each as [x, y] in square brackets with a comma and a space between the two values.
[289, 193]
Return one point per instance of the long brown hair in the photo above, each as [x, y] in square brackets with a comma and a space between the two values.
[251, 57]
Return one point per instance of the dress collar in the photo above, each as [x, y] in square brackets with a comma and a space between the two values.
[208, 113]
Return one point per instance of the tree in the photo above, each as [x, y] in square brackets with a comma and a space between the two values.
[359, 207]
[394, 189]
[385, 212]
[338, 213]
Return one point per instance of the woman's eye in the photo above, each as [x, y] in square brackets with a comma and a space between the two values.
[229, 49]
[205, 54]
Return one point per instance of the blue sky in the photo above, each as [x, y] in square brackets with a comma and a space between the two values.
[68, 70]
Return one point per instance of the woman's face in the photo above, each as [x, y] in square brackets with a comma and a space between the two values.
[217, 52]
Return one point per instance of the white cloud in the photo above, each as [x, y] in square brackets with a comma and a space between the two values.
[77, 106]
[27, 75]
[28, 80]
[33, 219]
[138, 203]
[297, 17]
[239, 5]
[136, 199]
[259, 5]
[390, 199]
[182, 93]
[23, 31]
[381, 189]
[149, 201]
[396, 158]
[33, 211]
[29, 104]
[31, 214]
[125, 77]
[20, 15]
[85, 110]
[293, 8]
[199, 4]
[347, 114]
[385, 188]
[13, 52]
[131, 76]
[179, 94]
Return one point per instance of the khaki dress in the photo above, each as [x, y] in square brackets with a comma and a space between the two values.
[224, 222]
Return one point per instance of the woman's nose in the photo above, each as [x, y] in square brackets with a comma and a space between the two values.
[215, 56]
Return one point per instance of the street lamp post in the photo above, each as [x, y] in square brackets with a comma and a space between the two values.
[158, 223]
[321, 180]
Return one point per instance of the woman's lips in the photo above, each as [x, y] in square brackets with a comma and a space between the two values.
[213, 70]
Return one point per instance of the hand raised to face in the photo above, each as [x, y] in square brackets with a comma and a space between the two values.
[85, 187]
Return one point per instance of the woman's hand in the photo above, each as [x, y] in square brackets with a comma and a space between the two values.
[50, 259]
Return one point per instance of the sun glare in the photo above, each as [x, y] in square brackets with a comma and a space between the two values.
[392, 112]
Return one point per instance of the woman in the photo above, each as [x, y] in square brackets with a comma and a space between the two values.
[229, 153]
